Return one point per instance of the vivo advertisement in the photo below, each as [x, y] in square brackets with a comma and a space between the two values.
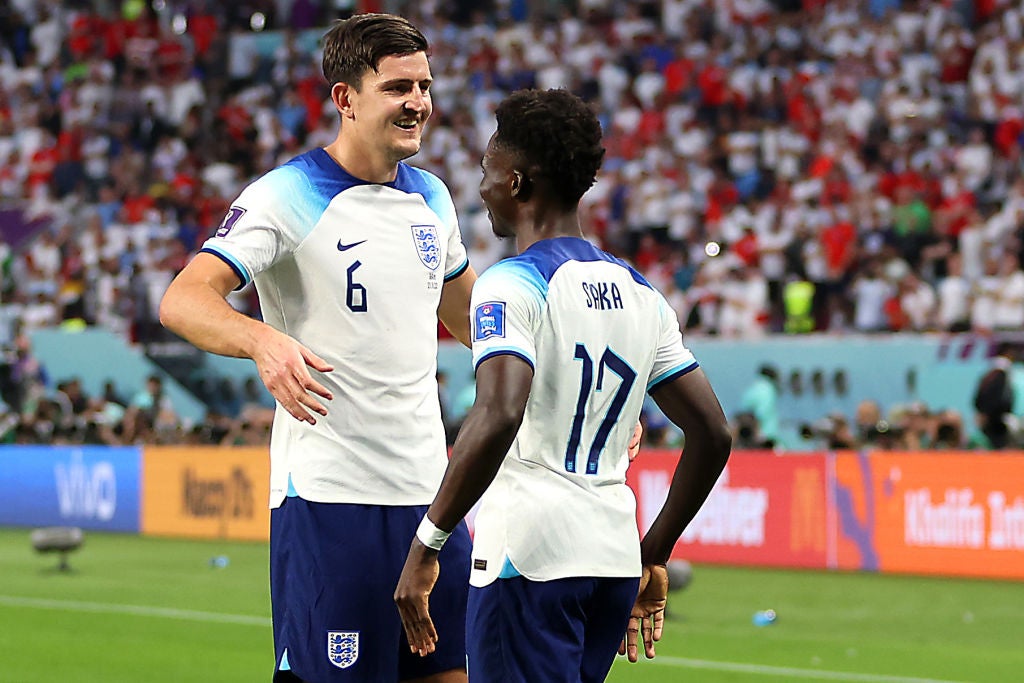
[84, 486]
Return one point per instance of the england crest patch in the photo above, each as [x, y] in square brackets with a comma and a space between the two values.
[343, 648]
[489, 320]
[428, 246]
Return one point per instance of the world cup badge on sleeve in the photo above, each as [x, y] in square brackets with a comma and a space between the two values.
[428, 247]
[343, 648]
[234, 213]
[489, 320]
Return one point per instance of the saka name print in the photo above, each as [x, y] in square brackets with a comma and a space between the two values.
[602, 295]
[234, 213]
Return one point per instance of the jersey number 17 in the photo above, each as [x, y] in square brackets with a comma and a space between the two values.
[615, 363]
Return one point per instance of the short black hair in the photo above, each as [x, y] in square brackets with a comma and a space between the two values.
[356, 45]
[558, 136]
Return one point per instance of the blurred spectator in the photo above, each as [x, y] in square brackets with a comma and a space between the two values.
[798, 305]
[149, 412]
[761, 401]
[28, 378]
[953, 296]
[1009, 309]
[871, 291]
[993, 401]
[917, 304]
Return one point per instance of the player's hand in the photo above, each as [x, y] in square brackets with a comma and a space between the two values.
[413, 597]
[283, 364]
[633, 449]
[647, 620]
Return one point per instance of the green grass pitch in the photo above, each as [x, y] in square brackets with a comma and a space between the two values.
[144, 609]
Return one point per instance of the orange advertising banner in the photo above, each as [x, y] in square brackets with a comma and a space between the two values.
[930, 513]
[765, 509]
[211, 492]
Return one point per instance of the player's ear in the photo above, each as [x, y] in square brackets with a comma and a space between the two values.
[522, 187]
[341, 95]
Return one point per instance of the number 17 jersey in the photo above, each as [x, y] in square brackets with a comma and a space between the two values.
[598, 336]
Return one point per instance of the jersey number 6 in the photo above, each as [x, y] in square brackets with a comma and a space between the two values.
[355, 293]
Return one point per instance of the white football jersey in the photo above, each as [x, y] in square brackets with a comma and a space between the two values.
[598, 337]
[354, 271]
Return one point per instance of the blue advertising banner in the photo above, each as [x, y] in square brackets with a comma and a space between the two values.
[93, 487]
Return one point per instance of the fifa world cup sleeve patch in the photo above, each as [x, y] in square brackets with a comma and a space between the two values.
[234, 213]
[489, 320]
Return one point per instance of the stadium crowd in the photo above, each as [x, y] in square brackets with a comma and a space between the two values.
[772, 166]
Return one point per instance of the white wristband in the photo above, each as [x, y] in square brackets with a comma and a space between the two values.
[430, 535]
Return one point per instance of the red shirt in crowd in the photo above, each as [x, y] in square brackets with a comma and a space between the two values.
[83, 35]
[237, 119]
[678, 73]
[713, 83]
[837, 242]
[746, 248]
[136, 206]
[958, 208]
[1007, 135]
[202, 28]
[40, 170]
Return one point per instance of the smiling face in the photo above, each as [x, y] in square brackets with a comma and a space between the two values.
[498, 188]
[387, 113]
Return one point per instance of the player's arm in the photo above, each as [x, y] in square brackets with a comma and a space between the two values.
[196, 308]
[690, 403]
[453, 310]
[503, 387]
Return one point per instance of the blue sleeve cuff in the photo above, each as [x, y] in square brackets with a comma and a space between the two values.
[505, 352]
[233, 263]
[666, 377]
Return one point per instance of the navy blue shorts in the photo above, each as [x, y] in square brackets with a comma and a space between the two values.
[562, 631]
[333, 572]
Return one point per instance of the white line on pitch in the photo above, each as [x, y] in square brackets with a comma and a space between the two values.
[764, 670]
[135, 610]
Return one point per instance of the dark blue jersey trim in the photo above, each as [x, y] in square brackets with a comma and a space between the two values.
[504, 352]
[458, 271]
[243, 280]
[679, 373]
[548, 255]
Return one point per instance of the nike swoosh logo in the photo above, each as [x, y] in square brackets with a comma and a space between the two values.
[345, 247]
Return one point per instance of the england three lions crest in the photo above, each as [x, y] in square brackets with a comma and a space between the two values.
[343, 648]
[428, 247]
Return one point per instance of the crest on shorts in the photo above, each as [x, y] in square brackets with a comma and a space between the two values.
[428, 247]
[343, 648]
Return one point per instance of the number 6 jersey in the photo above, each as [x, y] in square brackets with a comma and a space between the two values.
[353, 270]
[598, 337]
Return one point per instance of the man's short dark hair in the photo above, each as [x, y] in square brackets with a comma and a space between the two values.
[356, 45]
[558, 136]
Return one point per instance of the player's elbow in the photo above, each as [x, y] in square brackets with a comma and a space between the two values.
[721, 442]
[170, 309]
[717, 438]
[508, 419]
[503, 419]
